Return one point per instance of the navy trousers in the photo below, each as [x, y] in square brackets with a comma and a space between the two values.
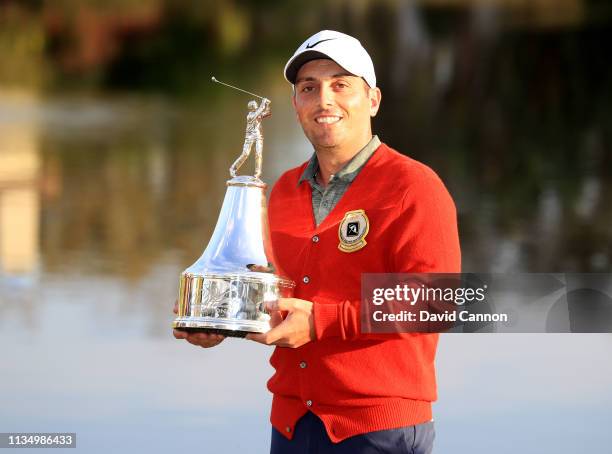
[310, 437]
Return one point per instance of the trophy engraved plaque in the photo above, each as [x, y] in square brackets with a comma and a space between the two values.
[225, 291]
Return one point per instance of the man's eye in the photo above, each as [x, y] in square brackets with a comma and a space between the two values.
[306, 89]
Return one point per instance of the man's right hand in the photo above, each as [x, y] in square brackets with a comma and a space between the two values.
[203, 340]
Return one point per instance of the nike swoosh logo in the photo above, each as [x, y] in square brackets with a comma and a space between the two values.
[310, 46]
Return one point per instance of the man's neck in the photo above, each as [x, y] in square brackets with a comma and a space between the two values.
[332, 160]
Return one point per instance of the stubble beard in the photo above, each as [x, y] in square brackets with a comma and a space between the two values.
[323, 143]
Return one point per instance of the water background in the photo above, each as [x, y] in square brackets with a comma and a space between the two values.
[114, 150]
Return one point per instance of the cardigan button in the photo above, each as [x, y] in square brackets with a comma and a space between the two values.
[305, 279]
[287, 429]
[315, 239]
[303, 365]
[309, 403]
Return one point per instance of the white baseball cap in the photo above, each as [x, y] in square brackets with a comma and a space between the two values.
[341, 48]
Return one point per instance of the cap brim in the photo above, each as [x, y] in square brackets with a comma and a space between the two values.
[296, 62]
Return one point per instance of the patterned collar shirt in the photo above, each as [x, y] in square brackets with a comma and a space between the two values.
[324, 199]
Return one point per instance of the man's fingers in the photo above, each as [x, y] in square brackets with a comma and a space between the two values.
[277, 317]
[205, 337]
[262, 338]
[179, 334]
[200, 339]
[205, 340]
[270, 337]
[192, 341]
[281, 304]
[257, 337]
[272, 306]
[175, 309]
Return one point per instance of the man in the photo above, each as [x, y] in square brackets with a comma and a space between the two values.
[357, 206]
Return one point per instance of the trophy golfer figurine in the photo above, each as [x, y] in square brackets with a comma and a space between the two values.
[225, 291]
[253, 135]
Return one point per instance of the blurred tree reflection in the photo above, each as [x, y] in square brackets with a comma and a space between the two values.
[509, 101]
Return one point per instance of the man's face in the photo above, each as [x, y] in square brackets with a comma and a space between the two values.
[333, 106]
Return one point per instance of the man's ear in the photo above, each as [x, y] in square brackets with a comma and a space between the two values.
[375, 97]
[294, 106]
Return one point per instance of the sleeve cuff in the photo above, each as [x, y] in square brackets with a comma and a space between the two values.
[326, 318]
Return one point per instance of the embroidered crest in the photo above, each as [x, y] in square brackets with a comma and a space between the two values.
[353, 230]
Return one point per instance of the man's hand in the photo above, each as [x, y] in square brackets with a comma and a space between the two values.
[295, 330]
[203, 340]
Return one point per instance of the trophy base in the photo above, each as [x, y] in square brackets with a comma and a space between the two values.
[225, 327]
[222, 332]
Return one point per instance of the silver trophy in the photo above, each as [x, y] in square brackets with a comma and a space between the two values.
[225, 291]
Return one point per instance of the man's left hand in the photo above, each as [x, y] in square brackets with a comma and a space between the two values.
[295, 330]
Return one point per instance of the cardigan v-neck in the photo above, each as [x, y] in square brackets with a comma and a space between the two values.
[358, 178]
[324, 199]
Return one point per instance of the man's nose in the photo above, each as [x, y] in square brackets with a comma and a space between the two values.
[326, 96]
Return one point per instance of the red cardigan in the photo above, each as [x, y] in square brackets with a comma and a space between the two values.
[356, 382]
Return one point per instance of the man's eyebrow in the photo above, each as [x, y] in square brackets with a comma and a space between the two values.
[335, 76]
[304, 79]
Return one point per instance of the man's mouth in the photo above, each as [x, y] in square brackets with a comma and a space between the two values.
[328, 119]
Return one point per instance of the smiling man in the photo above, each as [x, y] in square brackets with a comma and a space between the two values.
[356, 206]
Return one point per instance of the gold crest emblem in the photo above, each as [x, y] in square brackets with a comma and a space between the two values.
[353, 230]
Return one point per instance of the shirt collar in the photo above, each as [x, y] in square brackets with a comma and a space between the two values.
[351, 169]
